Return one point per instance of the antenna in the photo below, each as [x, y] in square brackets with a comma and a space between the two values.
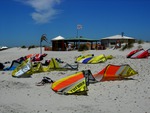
[122, 34]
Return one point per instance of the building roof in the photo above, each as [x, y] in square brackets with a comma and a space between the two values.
[76, 39]
[118, 37]
[58, 38]
[81, 39]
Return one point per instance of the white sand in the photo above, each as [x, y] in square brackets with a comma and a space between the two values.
[21, 95]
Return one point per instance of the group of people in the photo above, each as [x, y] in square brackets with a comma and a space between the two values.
[118, 45]
[68, 47]
[100, 47]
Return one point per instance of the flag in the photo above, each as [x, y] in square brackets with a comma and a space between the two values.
[79, 26]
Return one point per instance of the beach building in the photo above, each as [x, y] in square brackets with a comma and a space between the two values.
[63, 44]
[118, 40]
[3, 48]
[58, 43]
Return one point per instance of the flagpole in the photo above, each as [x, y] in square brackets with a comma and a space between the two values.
[77, 33]
[78, 27]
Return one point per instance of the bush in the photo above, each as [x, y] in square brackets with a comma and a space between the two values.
[32, 46]
[124, 47]
[83, 47]
[140, 41]
[130, 45]
[127, 46]
[23, 46]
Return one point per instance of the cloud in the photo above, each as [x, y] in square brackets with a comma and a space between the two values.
[44, 10]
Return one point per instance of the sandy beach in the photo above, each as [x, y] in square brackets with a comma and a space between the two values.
[21, 95]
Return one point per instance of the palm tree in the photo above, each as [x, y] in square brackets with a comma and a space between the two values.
[43, 38]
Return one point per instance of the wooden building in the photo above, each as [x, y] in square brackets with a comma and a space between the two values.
[111, 41]
[61, 44]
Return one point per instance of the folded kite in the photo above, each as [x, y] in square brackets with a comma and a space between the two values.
[74, 84]
[91, 59]
[139, 53]
[55, 65]
[23, 70]
[36, 57]
[16, 63]
[83, 57]
[13, 65]
[27, 68]
[115, 72]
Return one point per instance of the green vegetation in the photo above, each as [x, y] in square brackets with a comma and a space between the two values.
[124, 47]
[140, 41]
[23, 46]
[83, 47]
[127, 46]
[32, 46]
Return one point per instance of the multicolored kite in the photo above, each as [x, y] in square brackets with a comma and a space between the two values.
[114, 72]
[139, 53]
[74, 84]
[91, 59]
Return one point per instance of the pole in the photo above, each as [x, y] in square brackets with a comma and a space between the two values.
[41, 47]
[77, 33]
[78, 37]
[78, 27]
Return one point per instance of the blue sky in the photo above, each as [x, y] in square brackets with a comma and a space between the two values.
[23, 22]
